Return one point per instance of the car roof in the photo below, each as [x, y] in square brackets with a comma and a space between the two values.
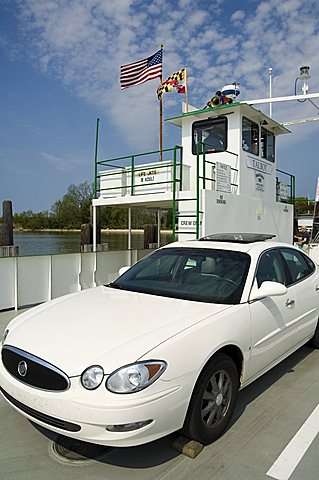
[236, 245]
[239, 237]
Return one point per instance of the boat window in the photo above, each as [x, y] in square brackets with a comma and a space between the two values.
[210, 135]
[250, 136]
[267, 145]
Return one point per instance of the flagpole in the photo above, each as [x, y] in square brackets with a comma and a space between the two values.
[161, 126]
[161, 115]
[186, 89]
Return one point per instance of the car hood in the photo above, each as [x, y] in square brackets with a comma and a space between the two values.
[103, 326]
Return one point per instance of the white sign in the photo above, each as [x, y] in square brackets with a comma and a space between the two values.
[187, 222]
[283, 191]
[260, 181]
[259, 165]
[152, 178]
[317, 191]
[147, 176]
[223, 177]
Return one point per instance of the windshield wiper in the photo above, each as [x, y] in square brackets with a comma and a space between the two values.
[114, 285]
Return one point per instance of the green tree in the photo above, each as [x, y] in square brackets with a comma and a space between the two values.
[32, 221]
[74, 207]
[304, 206]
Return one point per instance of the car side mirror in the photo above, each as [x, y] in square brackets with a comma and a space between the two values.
[123, 270]
[268, 289]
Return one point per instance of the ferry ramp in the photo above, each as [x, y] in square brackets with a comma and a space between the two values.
[273, 435]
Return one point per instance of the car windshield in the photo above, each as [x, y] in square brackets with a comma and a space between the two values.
[203, 275]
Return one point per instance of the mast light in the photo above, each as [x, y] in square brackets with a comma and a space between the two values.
[304, 73]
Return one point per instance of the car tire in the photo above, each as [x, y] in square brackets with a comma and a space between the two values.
[314, 342]
[213, 400]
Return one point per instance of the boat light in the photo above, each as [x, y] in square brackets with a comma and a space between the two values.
[304, 73]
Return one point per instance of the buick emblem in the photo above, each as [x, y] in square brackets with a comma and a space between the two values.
[22, 368]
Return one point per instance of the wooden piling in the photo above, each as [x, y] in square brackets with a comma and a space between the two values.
[4, 235]
[86, 236]
[8, 220]
[87, 240]
[150, 234]
[9, 251]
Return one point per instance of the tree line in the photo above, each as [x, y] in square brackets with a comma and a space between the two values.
[304, 206]
[73, 209]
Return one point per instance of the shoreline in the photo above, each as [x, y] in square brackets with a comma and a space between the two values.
[64, 230]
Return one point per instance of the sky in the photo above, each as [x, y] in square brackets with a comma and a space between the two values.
[60, 62]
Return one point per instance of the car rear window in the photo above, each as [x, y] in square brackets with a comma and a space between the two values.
[298, 264]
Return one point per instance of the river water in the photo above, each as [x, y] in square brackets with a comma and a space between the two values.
[44, 243]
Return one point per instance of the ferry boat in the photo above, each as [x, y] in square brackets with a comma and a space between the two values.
[222, 178]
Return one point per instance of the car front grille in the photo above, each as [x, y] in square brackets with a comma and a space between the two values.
[42, 417]
[32, 370]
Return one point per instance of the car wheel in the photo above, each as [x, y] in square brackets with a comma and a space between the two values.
[213, 400]
[315, 339]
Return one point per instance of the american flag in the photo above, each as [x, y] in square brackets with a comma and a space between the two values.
[140, 72]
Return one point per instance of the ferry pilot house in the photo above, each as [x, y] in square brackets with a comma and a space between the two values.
[211, 134]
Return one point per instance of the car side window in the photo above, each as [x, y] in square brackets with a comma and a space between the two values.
[270, 269]
[298, 264]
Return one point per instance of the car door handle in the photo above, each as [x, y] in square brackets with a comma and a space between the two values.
[290, 303]
[317, 288]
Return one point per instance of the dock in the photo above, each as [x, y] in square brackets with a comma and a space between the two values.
[273, 434]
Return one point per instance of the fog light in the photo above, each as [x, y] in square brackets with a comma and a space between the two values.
[127, 427]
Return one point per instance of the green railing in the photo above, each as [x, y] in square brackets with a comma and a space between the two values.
[131, 164]
[202, 179]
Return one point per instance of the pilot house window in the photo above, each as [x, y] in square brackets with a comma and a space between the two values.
[210, 135]
[267, 145]
[250, 136]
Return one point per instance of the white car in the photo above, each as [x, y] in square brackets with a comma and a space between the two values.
[164, 347]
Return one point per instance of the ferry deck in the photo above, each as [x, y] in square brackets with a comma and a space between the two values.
[273, 435]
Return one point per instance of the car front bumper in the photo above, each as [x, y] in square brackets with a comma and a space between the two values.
[85, 415]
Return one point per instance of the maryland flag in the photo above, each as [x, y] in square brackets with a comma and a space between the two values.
[175, 81]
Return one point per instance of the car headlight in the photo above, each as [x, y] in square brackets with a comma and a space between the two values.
[135, 377]
[92, 377]
[4, 336]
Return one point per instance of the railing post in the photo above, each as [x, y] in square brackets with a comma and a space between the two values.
[293, 186]
[94, 228]
[197, 190]
[129, 244]
[95, 156]
[174, 196]
[180, 167]
[204, 165]
[132, 175]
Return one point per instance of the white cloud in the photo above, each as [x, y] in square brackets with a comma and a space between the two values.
[62, 164]
[237, 16]
[84, 43]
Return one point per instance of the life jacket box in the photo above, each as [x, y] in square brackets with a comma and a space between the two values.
[144, 179]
